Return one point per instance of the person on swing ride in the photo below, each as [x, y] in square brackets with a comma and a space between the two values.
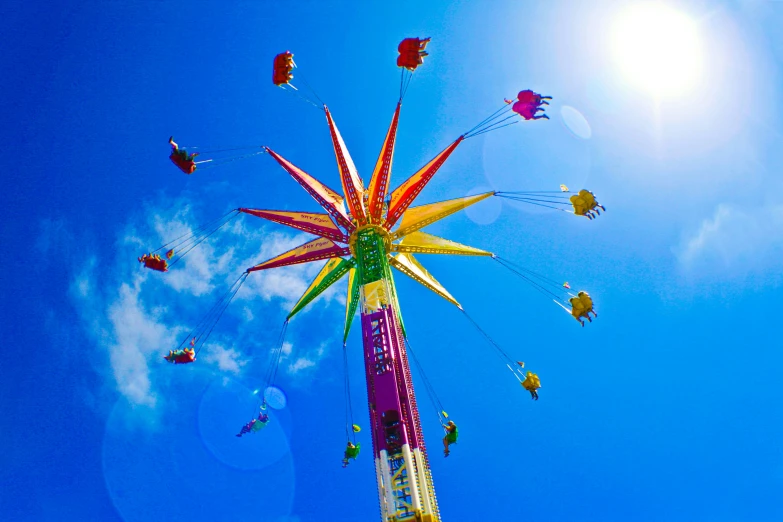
[180, 157]
[155, 262]
[281, 68]
[413, 45]
[182, 153]
[580, 206]
[351, 452]
[412, 53]
[585, 204]
[587, 302]
[450, 438]
[590, 201]
[528, 104]
[528, 111]
[188, 355]
[256, 424]
[528, 96]
[581, 306]
[532, 384]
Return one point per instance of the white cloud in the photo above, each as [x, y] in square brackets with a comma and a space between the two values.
[137, 337]
[134, 315]
[735, 240]
[286, 283]
[125, 330]
[83, 286]
[227, 359]
[201, 266]
[301, 363]
[309, 359]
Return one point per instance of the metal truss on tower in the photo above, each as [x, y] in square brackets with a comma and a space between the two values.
[404, 482]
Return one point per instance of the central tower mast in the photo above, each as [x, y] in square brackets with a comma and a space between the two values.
[405, 489]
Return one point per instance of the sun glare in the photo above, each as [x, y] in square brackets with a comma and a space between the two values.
[657, 48]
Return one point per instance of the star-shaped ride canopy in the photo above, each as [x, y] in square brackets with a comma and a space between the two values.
[338, 228]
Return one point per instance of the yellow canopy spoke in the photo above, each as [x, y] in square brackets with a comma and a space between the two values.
[408, 265]
[419, 217]
[423, 243]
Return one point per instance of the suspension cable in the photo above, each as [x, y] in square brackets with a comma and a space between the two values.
[273, 370]
[213, 150]
[532, 192]
[199, 336]
[491, 122]
[493, 126]
[488, 118]
[350, 434]
[222, 161]
[489, 129]
[536, 204]
[551, 282]
[537, 286]
[295, 92]
[241, 280]
[507, 360]
[408, 79]
[173, 242]
[535, 198]
[439, 409]
[194, 241]
[307, 84]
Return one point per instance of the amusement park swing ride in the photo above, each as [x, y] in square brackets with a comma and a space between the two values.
[362, 243]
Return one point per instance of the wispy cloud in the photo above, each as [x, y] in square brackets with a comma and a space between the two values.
[296, 363]
[134, 316]
[286, 283]
[734, 241]
[202, 266]
[123, 329]
[302, 363]
[226, 359]
[136, 336]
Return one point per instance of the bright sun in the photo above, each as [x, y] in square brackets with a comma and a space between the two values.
[657, 48]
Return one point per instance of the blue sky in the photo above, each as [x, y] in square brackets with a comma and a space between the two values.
[667, 407]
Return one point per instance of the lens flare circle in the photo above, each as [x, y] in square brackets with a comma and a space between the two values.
[154, 462]
[575, 122]
[275, 397]
[225, 406]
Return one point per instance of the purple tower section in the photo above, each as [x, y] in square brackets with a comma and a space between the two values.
[387, 384]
